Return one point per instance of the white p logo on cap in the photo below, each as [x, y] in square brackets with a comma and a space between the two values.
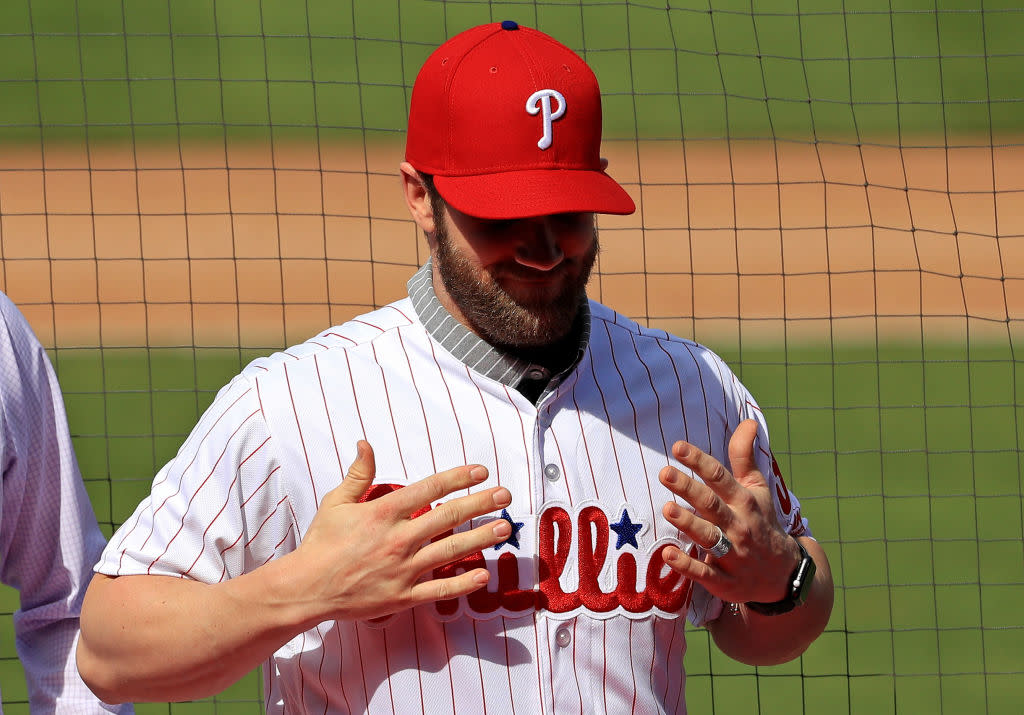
[540, 101]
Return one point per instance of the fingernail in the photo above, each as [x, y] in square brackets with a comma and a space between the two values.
[502, 497]
[478, 474]
[502, 529]
[670, 477]
[482, 577]
[672, 511]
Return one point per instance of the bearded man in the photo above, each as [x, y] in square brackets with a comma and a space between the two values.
[578, 507]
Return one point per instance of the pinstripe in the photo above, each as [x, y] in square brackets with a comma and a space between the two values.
[362, 671]
[387, 664]
[419, 397]
[391, 411]
[355, 398]
[490, 427]
[341, 669]
[636, 425]
[448, 392]
[192, 498]
[327, 412]
[611, 436]
[163, 476]
[223, 506]
[666, 449]
[527, 456]
[583, 438]
[607, 423]
[433, 461]
[419, 676]
[462, 444]
[302, 438]
[632, 671]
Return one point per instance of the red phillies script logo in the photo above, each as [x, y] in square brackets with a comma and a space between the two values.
[563, 555]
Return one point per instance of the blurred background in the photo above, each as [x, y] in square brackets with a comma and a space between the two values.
[830, 194]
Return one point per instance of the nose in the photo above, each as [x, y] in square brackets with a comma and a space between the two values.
[539, 249]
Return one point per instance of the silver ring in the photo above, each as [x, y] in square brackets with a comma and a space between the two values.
[721, 547]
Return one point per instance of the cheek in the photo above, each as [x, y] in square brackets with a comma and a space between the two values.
[485, 254]
[580, 245]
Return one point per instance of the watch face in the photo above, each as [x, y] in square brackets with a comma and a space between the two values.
[803, 577]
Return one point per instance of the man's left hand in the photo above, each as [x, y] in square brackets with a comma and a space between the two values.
[739, 503]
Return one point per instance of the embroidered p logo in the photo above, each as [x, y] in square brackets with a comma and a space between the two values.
[540, 102]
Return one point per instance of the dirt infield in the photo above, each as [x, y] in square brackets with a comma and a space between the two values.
[260, 246]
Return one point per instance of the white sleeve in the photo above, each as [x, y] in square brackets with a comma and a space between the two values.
[742, 406]
[48, 532]
[787, 506]
[218, 509]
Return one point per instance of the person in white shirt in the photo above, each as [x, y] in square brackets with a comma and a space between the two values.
[49, 538]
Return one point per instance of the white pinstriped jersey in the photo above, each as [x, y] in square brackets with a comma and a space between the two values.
[49, 538]
[580, 615]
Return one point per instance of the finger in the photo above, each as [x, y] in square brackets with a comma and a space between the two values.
[462, 544]
[358, 479]
[710, 470]
[741, 454]
[460, 510]
[698, 495]
[688, 566]
[703, 532]
[442, 589]
[407, 501]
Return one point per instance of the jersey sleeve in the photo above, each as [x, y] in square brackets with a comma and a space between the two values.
[48, 531]
[787, 506]
[218, 509]
[741, 406]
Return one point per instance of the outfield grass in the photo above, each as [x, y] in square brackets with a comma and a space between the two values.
[906, 459]
[106, 69]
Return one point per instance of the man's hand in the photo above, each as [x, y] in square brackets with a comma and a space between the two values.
[740, 504]
[369, 559]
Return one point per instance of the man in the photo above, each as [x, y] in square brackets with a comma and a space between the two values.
[49, 538]
[553, 574]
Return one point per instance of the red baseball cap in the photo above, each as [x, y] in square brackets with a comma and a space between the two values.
[508, 121]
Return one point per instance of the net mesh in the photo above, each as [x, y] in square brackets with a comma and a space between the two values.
[830, 194]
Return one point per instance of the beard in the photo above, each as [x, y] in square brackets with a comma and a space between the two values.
[530, 319]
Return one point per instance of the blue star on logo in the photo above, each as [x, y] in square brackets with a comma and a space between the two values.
[513, 538]
[626, 531]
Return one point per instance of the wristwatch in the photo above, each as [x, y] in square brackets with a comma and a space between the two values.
[799, 586]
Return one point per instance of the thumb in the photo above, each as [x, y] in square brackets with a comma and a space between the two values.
[359, 478]
[741, 455]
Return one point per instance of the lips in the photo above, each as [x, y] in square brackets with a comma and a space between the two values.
[519, 274]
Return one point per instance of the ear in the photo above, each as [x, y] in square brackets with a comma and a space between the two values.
[416, 198]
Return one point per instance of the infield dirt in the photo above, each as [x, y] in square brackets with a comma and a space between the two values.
[236, 244]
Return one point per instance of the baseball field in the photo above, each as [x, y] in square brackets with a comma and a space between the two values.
[187, 186]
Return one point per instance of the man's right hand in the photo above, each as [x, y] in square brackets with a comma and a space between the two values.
[157, 638]
[363, 560]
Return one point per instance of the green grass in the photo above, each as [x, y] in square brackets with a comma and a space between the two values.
[108, 69]
[907, 460]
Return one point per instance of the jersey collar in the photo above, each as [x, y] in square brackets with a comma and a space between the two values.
[469, 348]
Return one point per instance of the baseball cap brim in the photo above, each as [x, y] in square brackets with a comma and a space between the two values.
[536, 192]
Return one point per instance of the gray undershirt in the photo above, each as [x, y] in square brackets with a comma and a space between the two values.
[529, 378]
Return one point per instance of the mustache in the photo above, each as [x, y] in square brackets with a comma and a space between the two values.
[515, 270]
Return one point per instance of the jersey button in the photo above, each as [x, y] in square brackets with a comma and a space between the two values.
[552, 472]
[563, 637]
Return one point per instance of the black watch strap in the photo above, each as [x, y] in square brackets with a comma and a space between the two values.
[799, 586]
